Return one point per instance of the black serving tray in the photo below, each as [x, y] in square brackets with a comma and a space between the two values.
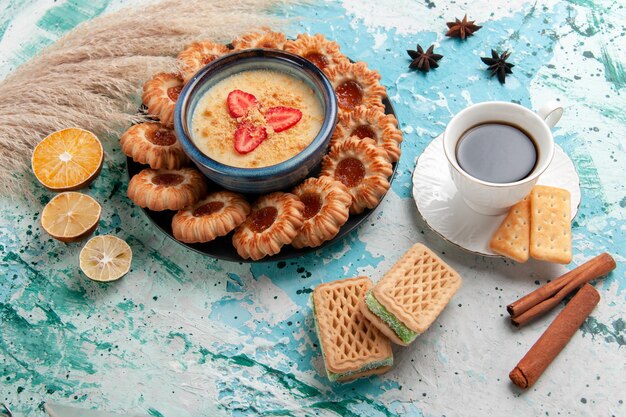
[222, 247]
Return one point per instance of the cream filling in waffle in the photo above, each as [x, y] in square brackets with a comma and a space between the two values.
[404, 333]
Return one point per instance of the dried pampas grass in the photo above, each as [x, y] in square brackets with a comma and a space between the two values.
[92, 77]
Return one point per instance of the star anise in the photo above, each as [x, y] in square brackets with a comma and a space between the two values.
[424, 61]
[461, 28]
[498, 65]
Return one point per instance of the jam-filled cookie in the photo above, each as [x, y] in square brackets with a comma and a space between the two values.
[317, 49]
[167, 189]
[198, 54]
[362, 167]
[355, 85]
[215, 215]
[160, 94]
[274, 222]
[155, 145]
[370, 123]
[263, 39]
[326, 208]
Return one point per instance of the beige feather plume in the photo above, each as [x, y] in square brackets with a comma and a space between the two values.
[92, 77]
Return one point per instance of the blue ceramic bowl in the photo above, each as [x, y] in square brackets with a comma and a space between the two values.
[265, 179]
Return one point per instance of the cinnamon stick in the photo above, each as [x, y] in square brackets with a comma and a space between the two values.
[554, 339]
[548, 296]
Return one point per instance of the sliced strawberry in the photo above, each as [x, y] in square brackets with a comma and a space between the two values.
[248, 136]
[239, 102]
[282, 118]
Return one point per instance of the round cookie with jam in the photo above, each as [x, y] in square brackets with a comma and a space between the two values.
[326, 208]
[198, 54]
[363, 168]
[275, 221]
[317, 49]
[370, 123]
[155, 145]
[262, 39]
[355, 85]
[160, 94]
[215, 215]
[167, 189]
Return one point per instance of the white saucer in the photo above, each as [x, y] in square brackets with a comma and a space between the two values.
[446, 213]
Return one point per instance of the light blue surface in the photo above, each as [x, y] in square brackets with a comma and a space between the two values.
[185, 335]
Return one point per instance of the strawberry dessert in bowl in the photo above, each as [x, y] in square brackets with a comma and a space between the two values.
[256, 121]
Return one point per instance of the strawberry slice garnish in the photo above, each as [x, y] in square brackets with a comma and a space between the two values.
[248, 136]
[282, 118]
[239, 102]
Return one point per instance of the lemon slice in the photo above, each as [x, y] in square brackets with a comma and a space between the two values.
[105, 258]
[71, 216]
[68, 159]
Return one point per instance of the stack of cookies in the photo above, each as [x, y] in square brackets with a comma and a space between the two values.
[356, 321]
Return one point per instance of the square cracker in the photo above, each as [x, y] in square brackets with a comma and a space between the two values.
[417, 288]
[550, 225]
[513, 236]
[349, 341]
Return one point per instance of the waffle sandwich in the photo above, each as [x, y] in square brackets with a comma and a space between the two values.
[351, 346]
[406, 301]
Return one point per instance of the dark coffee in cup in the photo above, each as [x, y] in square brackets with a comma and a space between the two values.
[497, 152]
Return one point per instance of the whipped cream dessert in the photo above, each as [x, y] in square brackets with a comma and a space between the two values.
[261, 116]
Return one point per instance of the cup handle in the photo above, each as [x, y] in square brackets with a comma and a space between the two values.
[551, 113]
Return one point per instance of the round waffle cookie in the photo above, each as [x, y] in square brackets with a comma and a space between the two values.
[263, 39]
[317, 49]
[198, 54]
[355, 86]
[215, 215]
[155, 145]
[160, 94]
[274, 221]
[363, 168]
[326, 208]
[371, 123]
[166, 189]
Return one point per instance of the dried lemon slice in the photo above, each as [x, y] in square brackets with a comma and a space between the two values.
[68, 159]
[71, 216]
[105, 258]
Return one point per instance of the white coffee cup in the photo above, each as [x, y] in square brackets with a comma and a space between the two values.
[496, 198]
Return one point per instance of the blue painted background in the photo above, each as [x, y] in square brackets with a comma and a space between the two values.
[186, 335]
